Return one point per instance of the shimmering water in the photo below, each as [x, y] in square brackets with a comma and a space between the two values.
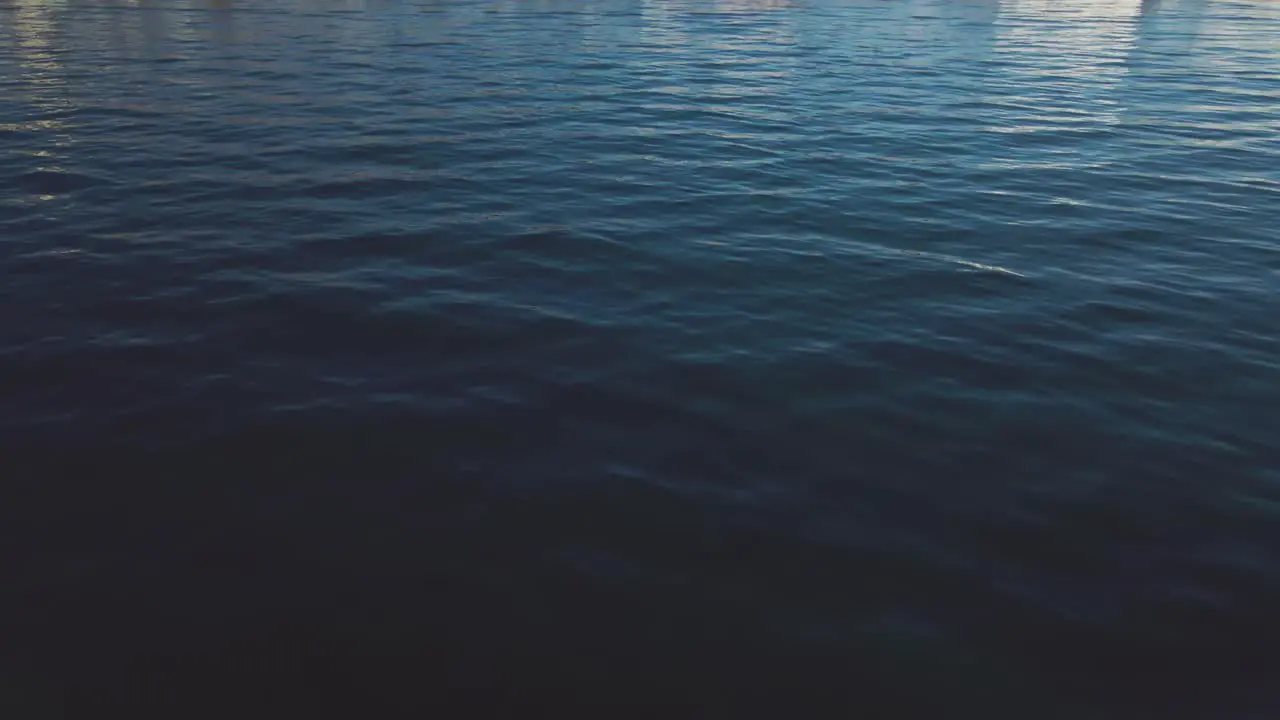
[893, 358]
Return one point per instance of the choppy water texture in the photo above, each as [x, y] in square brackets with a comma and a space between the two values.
[907, 358]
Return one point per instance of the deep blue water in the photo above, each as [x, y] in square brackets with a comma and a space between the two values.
[707, 358]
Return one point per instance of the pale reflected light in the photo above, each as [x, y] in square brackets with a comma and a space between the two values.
[1070, 57]
[754, 4]
[40, 70]
[1087, 38]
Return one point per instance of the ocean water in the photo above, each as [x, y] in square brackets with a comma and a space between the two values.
[706, 358]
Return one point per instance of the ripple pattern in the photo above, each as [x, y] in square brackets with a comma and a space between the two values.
[923, 351]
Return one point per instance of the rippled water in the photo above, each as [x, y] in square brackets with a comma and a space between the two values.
[893, 358]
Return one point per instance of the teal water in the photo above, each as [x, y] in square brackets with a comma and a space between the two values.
[892, 358]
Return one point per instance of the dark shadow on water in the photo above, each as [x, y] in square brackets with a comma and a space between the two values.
[247, 579]
[364, 570]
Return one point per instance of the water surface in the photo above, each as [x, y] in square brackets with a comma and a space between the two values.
[897, 358]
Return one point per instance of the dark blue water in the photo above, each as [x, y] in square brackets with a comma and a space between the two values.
[884, 359]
